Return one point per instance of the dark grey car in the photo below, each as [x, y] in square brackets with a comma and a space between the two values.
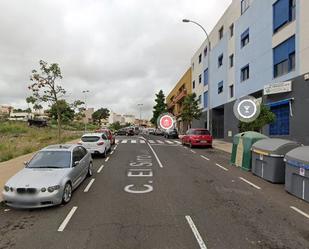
[49, 178]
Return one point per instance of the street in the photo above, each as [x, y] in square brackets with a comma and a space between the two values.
[154, 193]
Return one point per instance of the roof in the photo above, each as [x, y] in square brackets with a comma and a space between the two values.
[95, 134]
[60, 147]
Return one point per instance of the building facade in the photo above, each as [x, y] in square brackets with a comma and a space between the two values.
[256, 45]
[176, 97]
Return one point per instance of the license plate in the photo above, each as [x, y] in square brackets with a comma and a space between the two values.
[204, 142]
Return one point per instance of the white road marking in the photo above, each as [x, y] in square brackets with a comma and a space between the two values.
[142, 141]
[250, 183]
[160, 142]
[196, 233]
[115, 147]
[100, 169]
[193, 151]
[220, 166]
[116, 141]
[7, 210]
[154, 153]
[124, 141]
[177, 142]
[300, 212]
[107, 159]
[89, 185]
[133, 141]
[67, 219]
[151, 141]
[112, 152]
[206, 158]
[169, 142]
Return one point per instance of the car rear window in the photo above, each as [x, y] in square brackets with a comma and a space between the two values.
[90, 139]
[201, 132]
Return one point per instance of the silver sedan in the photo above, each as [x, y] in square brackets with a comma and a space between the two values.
[49, 178]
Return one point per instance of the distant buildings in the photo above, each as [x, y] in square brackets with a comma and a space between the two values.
[5, 109]
[88, 115]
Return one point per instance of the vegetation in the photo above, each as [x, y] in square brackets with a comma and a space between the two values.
[159, 108]
[16, 138]
[99, 114]
[117, 126]
[266, 117]
[191, 109]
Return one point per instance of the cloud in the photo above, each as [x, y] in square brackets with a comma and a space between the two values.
[123, 51]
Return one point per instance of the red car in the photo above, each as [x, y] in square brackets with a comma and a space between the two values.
[109, 135]
[197, 137]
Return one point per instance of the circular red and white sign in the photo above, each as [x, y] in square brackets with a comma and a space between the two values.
[166, 122]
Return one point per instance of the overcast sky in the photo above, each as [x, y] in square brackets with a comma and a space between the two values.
[122, 51]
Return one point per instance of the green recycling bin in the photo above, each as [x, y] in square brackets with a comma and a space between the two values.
[241, 152]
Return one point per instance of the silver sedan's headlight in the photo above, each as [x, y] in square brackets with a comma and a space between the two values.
[6, 188]
[53, 188]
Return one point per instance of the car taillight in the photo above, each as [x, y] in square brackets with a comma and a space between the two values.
[100, 143]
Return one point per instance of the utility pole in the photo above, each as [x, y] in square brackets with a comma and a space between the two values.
[140, 114]
[85, 99]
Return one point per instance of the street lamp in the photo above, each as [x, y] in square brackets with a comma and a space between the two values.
[85, 92]
[208, 57]
[140, 114]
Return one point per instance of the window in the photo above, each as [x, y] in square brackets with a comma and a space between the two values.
[220, 60]
[200, 79]
[193, 84]
[245, 73]
[281, 126]
[244, 5]
[205, 99]
[284, 11]
[221, 33]
[199, 99]
[231, 60]
[200, 58]
[232, 30]
[220, 87]
[245, 38]
[206, 77]
[284, 57]
[205, 51]
[231, 91]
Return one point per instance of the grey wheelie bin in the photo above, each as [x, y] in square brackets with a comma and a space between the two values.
[267, 158]
[297, 172]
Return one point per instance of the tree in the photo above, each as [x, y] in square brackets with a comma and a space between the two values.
[102, 113]
[37, 107]
[67, 113]
[191, 109]
[159, 108]
[266, 117]
[79, 109]
[44, 87]
[115, 126]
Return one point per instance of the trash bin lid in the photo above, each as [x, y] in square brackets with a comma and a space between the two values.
[248, 135]
[275, 146]
[300, 156]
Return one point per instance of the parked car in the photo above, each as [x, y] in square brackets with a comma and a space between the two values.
[171, 133]
[130, 132]
[96, 143]
[121, 132]
[159, 132]
[151, 131]
[197, 137]
[109, 135]
[49, 178]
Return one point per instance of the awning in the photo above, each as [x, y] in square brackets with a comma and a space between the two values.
[280, 102]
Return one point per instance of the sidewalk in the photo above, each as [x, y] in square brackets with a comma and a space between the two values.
[222, 145]
[11, 167]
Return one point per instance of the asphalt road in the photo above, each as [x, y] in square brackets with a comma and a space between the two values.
[154, 193]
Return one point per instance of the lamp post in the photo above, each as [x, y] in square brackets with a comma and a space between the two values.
[208, 57]
[140, 114]
[85, 99]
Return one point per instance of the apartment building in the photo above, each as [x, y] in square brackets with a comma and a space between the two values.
[258, 48]
[176, 97]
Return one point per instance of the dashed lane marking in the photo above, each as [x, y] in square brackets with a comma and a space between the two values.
[300, 212]
[107, 159]
[124, 141]
[100, 169]
[89, 185]
[196, 233]
[250, 183]
[220, 166]
[193, 151]
[206, 158]
[67, 219]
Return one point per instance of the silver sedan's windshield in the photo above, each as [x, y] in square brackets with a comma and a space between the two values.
[51, 159]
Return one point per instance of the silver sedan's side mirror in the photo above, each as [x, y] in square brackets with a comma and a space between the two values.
[75, 163]
[26, 163]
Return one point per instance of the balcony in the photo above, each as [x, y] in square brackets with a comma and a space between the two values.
[180, 96]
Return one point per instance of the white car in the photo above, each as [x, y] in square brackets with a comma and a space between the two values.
[96, 143]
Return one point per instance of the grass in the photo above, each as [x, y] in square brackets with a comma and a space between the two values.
[17, 139]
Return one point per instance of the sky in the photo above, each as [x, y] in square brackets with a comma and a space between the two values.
[122, 51]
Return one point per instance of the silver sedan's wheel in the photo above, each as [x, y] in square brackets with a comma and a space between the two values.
[90, 169]
[67, 193]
